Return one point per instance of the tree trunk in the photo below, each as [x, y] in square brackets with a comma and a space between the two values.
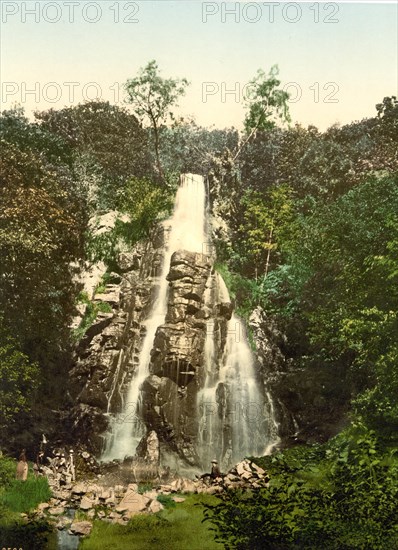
[157, 155]
[269, 250]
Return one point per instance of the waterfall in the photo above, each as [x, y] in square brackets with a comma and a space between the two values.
[186, 231]
[232, 414]
[236, 418]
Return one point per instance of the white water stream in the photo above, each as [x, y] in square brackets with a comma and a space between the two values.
[235, 418]
[186, 232]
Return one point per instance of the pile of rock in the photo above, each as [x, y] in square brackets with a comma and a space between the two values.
[113, 504]
[246, 475]
[118, 503]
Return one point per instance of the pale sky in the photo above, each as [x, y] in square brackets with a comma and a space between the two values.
[337, 59]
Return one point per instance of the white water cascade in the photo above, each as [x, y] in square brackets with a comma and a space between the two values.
[236, 419]
[234, 413]
[186, 232]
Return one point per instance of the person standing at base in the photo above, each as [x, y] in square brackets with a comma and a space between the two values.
[215, 470]
[22, 467]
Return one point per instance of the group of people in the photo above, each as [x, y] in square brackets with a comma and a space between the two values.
[59, 467]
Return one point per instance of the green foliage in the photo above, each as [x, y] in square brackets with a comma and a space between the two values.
[342, 495]
[109, 146]
[266, 102]
[7, 471]
[152, 98]
[90, 314]
[143, 204]
[243, 291]
[188, 148]
[151, 95]
[332, 289]
[39, 245]
[146, 204]
[167, 501]
[264, 219]
[23, 496]
[144, 487]
[18, 380]
[35, 535]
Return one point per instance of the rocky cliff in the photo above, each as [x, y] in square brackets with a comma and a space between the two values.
[108, 355]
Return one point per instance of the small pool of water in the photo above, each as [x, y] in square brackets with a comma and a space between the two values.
[65, 541]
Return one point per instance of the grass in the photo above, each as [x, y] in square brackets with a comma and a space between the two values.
[18, 497]
[177, 528]
[92, 310]
[23, 496]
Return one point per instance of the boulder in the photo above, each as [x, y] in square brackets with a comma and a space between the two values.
[63, 522]
[86, 503]
[155, 506]
[132, 503]
[79, 489]
[56, 511]
[82, 528]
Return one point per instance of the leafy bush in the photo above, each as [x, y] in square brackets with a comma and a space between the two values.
[92, 310]
[18, 380]
[35, 535]
[7, 470]
[342, 495]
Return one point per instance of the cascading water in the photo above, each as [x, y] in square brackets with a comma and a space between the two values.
[186, 232]
[236, 418]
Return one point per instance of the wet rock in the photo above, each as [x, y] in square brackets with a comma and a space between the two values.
[63, 522]
[94, 396]
[148, 448]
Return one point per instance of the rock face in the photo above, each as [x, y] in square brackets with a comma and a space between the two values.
[177, 357]
[303, 409]
[108, 354]
[191, 396]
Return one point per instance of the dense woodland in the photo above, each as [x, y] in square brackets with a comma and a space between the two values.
[312, 238]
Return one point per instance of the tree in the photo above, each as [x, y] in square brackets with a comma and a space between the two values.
[152, 98]
[18, 380]
[263, 219]
[266, 104]
[38, 244]
[186, 147]
[108, 143]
